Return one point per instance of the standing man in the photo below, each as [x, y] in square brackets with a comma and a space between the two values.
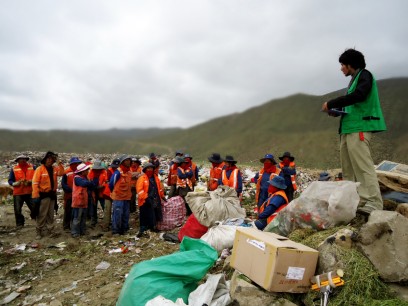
[288, 169]
[217, 165]
[121, 184]
[67, 183]
[20, 178]
[261, 179]
[45, 193]
[362, 116]
[231, 176]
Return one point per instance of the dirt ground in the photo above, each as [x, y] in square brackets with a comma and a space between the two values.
[62, 270]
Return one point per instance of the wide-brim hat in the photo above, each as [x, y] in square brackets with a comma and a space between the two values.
[147, 165]
[270, 157]
[215, 158]
[75, 160]
[97, 165]
[188, 156]
[124, 157]
[287, 154]
[81, 168]
[230, 159]
[151, 155]
[179, 160]
[324, 176]
[22, 157]
[115, 163]
[179, 152]
[278, 182]
[49, 154]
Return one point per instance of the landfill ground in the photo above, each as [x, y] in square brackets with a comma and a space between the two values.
[63, 270]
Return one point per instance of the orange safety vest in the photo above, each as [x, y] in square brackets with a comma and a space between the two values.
[19, 174]
[258, 183]
[103, 176]
[232, 181]
[79, 195]
[193, 169]
[70, 182]
[215, 175]
[142, 188]
[106, 192]
[183, 183]
[136, 168]
[266, 203]
[172, 179]
[122, 190]
[41, 179]
[292, 177]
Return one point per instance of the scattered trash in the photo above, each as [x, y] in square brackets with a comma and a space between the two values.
[54, 262]
[103, 265]
[19, 267]
[70, 288]
[32, 299]
[117, 250]
[11, 297]
[61, 245]
[23, 288]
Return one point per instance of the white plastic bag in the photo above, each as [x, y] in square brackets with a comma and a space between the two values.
[320, 206]
[220, 236]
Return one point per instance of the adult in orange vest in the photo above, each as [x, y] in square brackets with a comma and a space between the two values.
[121, 185]
[216, 171]
[184, 181]
[97, 174]
[155, 162]
[80, 199]
[189, 159]
[231, 175]
[264, 175]
[106, 193]
[136, 170]
[288, 168]
[275, 203]
[20, 178]
[150, 194]
[172, 177]
[67, 183]
[45, 192]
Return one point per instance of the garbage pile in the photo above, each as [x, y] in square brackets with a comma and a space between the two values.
[210, 265]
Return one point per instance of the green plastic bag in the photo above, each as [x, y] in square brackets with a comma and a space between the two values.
[172, 276]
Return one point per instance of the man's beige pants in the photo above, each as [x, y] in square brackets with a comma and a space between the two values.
[357, 166]
[45, 218]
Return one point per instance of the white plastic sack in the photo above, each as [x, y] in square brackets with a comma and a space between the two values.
[214, 292]
[218, 205]
[221, 236]
[320, 206]
[162, 301]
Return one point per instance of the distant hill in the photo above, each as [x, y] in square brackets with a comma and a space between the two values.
[104, 141]
[293, 124]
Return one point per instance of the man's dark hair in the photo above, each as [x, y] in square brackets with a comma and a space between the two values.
[353, 58]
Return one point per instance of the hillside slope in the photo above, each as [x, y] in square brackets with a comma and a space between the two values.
[293, 124]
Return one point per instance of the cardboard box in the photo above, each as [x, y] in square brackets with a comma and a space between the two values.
[272, 261]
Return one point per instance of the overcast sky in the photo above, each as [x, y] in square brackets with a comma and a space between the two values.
[101, 64]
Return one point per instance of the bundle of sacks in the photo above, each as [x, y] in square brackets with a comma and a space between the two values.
[215, 217]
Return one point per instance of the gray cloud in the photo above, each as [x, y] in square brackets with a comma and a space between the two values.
[99, 64]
